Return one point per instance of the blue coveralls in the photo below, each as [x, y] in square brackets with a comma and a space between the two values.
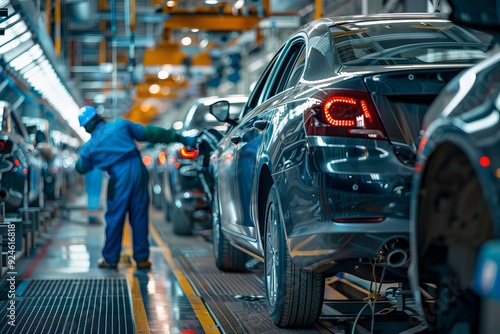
[112, 148]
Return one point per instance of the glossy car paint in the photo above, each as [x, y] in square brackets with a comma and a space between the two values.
[465, 121]
[340, 198]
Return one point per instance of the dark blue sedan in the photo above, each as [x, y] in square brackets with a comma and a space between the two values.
[455, 201]
[316, 177]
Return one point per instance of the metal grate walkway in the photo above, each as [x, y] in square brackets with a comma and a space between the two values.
[75, 306]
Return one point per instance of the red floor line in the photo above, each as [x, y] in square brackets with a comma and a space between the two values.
[31, 268]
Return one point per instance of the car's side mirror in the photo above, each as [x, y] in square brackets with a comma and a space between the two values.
[220, 110]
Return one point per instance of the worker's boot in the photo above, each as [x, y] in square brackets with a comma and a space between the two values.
[101, 263]
[144, 265]
[94, 221]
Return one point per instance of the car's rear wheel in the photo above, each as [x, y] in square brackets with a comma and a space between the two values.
[168, 211]
[182, 223]
[156, 199]
[227, 257]
[453, 222]
[294, 295]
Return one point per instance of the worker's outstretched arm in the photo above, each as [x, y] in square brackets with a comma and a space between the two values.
[79, 167]
[156, 134]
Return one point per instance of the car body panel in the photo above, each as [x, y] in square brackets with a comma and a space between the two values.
[340, 197]
[466, 116]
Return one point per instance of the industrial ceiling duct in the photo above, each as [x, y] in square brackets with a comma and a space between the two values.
[83, 13]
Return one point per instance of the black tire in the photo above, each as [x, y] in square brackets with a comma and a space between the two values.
[168, 211]
[294, 296]
[453, 222]
[227, 257]
[156, 200]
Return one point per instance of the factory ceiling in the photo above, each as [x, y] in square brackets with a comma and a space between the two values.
[128, 56]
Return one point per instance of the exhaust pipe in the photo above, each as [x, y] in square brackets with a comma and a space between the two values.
[397, 257]
[395, 253]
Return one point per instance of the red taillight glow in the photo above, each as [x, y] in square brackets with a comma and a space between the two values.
[5, 146]
[17, 162]
[25, 170]
[186, 154]
[339, 106]
[147, 160]
[162, 157]
[343, 113]
[484, 161]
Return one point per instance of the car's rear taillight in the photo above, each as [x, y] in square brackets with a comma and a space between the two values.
[343, 113]
[5, 146]
[147, 160]
[162, 157]
[188, 154]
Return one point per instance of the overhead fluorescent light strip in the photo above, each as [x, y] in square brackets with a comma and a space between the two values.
[14, 43]
[28, 59]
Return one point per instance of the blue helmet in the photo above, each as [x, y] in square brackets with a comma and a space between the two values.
[86, 114]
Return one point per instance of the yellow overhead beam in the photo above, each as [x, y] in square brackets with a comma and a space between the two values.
[221, 8]
[212, 22]
[57, 27]
[161, 55]
[201, 59]
[102, 27]
[318, 9]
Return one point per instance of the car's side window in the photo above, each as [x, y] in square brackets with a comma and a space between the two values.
[257, 96]
[287, 66]
[297, 70]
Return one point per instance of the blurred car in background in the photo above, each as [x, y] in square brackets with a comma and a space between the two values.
[154, 158]
[456, 192]
[21, 165]
[207, 141]
[40, 133]
[316, 178]
[184, 193]
[67, 148]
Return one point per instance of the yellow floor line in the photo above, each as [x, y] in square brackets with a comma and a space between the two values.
[199, 308]
[141, 319]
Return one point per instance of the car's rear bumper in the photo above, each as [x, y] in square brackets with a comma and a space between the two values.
[354, 201]
[332, 242]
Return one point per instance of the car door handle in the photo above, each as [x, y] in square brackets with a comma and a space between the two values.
[235, 139]
[260, 124]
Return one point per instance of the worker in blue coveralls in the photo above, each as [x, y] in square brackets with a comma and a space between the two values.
[112, 148]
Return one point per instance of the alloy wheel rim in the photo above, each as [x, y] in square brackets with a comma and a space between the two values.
[272, 261]
[216, 227]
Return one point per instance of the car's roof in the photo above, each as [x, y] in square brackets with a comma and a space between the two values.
[235, 98]
[338, 20]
